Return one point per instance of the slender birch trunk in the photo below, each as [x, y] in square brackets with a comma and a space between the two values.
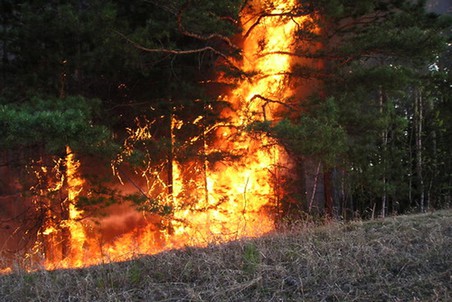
[418, 118]
[384, 142]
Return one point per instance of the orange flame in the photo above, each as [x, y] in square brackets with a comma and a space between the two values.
[76, 229]
[236, 195]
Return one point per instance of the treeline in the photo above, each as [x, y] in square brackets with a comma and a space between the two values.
[375, 135]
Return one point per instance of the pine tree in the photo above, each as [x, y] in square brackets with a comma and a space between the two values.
[372, 55]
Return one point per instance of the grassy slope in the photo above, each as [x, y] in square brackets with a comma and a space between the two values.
[407, 258]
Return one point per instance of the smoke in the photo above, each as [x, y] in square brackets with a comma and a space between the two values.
[440, 6]
[123, 219]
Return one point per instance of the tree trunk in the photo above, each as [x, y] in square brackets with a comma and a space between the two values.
[64, 209]
[434, 181]
[328, 192]
[205, 164]
[432, 192]
[314, 187]
[170, 160]
[418, 118]
[384, 143]
[411, 161]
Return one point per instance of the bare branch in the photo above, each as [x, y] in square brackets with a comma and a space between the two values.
[291, 14]
[173, 51]
[343, 59]
[183, 31]
[179, 52]
[268, 101]
[179, 16]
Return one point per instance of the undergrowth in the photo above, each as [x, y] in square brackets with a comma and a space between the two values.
[406, 258]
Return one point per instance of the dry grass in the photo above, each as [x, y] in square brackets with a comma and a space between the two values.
[407, 258]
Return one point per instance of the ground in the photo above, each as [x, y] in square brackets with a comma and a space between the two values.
[404, 258]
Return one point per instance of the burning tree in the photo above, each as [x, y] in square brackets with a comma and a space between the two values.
[363, 63]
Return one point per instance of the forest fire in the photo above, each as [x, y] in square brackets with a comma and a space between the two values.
[233, 199]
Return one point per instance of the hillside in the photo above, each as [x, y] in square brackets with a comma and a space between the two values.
[406, 258]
